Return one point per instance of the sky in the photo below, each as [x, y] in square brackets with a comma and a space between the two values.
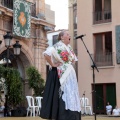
[61, 13]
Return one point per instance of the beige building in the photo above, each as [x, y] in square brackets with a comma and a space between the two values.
[49, 14]
[72, 6]
[100, 21]
[32, 47]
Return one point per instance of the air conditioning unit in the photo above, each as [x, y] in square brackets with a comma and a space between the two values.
[41, 16]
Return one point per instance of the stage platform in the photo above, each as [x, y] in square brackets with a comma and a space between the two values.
[99, 117]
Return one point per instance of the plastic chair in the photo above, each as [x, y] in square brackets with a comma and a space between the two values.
[85, 106]
[38, 101]
[31, 106]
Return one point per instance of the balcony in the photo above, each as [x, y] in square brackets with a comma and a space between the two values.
[75, 26]
[102, 17]
[9, 4]
[103, 60]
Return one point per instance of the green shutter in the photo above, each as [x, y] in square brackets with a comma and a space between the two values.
[117, 30]
[111, 94]
[99, 97]
[21, 18]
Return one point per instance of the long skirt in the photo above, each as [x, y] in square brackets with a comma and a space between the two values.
[53, 107]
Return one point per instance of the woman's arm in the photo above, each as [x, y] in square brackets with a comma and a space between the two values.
[48, 58]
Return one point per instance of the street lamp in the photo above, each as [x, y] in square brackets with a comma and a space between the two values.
[16, 48]
[7, 38]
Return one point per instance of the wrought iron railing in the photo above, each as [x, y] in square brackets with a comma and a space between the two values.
[102, 17]
[9, 4]
[104, 59]
[75, 25]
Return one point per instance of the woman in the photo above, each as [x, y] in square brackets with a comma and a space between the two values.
[116, 111]
[61, 99]
[108, 108]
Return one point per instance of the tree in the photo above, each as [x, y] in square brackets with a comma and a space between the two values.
[35, 80]
[13, 85]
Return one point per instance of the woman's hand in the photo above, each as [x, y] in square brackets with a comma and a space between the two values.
[56, 64]
[73, 61]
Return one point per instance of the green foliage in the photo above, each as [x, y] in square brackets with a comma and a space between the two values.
[1, 75]
[1, 71]
[35, 80]
[14, 86]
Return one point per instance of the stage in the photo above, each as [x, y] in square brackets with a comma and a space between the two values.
[99, 117]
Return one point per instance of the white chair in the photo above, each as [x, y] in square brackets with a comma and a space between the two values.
[31, 106]
[38, 101]
[85, 107]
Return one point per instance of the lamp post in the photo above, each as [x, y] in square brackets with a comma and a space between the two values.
[16, 48]
[7, 39]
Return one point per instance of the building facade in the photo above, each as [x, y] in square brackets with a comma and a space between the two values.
[100, 21]
[32, 47]
[72, 6]
[50, 15]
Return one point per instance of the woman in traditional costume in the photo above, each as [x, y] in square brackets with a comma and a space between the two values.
[61, 99]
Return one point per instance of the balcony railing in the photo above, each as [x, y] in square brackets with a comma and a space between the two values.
[102, 60]
[9, 4]
[75, 25]
[102, 17]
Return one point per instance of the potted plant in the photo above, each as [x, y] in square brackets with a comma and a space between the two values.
[13, 85]
[1, 99]
[35, 81]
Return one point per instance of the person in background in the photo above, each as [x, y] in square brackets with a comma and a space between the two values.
[116, 111]
[108, 109]
[61, 100]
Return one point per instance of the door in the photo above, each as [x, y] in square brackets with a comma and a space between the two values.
[111, 94]
[104, 93]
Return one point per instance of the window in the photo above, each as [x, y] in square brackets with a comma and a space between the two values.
[105, 92]
[103, 43]
[33, 10]
[102, 11]
[75, 15]
[103, 49]
[55, 39]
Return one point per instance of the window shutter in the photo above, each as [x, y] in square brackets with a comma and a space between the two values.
[117, 30]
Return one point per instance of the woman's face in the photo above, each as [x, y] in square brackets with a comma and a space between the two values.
[66, 37]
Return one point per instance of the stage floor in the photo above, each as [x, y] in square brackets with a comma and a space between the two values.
[83, 118]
